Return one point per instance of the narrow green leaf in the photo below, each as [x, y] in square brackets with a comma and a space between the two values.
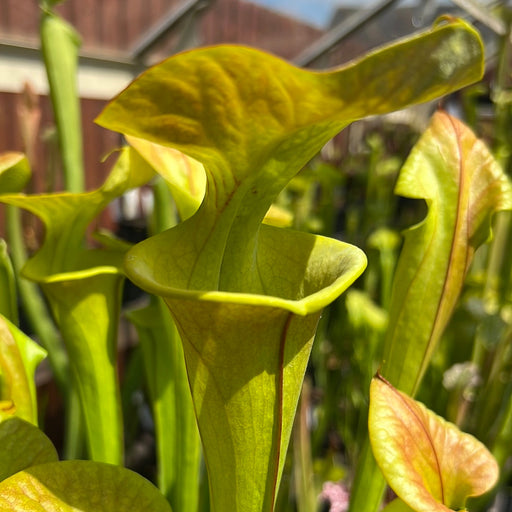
[19, 358]
[14, 174]
[429, 463]
[502, 447]
[387, 243]
[303, 475]
[87, 486]
[177, 436]
[463, 186]
[23, 445]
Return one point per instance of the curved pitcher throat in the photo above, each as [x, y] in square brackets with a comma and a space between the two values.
[227, 239]
[297, 271]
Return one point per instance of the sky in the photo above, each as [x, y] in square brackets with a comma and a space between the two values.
[316, 12]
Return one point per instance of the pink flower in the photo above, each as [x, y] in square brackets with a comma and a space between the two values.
[335, 494]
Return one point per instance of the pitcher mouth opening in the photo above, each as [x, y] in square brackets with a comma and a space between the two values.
[316, 291]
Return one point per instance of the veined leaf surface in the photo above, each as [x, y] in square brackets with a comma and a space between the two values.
[79, 485]
[246, 297]
[430, 464]
[463, 186]
[254, 120]
[23, 445]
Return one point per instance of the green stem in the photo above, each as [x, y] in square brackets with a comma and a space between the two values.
[87, 311]
[8, 299]
[184, 493]
[501, 448]
[34, 305]
[74, 440]
[501, 451]
[59, 45]
[164, 213]
[177, 437]
[41, 324]
[369, 484]
[500, 264]
[493, 396]
[303, 466]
